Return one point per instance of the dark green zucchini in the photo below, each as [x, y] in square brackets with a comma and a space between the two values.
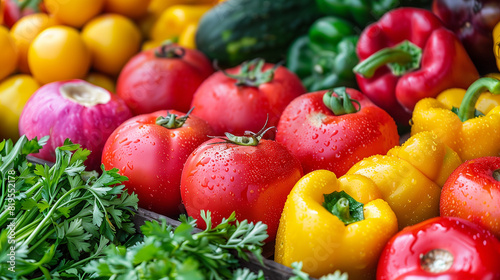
[238, 30]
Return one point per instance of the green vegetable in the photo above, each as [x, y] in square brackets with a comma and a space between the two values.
[181, 253]
[300, 275]
[54, 220]
[364, 12]
[325, 57]
[235, 31]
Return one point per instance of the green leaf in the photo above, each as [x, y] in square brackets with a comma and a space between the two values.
[80, 155]
[28, 204]
[146, 252]
[43, 205]
[337, 275]
[298, 273]
[246, 274]
[116, 214]
[64, 211]
[97, 215]
[342, 205]
[77, 238]
[189, 270]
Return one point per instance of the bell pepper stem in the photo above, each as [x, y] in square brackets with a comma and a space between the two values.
[342, 205]
[401, 59]
[341, 105]
[468, 106]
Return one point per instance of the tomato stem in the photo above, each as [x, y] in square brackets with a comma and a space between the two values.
[251, 73]
[171, 121]
[170, 50]
[249, 138]
[341, 105]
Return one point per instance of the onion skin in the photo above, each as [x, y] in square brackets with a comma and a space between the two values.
[473, 23]
[47, 112]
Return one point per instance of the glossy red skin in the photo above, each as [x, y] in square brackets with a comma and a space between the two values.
[322, 140]
[476, 251]
[445, 63]
[236, 109]
[48, 113]
[472, 193]
[473, 22]
[148, 83]
[152, 157]
[254, 181]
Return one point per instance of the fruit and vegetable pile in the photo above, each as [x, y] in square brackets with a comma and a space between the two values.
[340, 139]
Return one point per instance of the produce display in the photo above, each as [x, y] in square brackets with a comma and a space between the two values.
[249, 139]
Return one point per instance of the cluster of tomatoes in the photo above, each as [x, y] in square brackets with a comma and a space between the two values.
[44, 41]
[101, 74]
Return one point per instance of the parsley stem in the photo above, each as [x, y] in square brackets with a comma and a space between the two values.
[49, 215]
[28, 228]
[41, 240]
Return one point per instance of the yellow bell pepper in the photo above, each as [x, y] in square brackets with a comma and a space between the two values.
[177, 22]
[468, 131]
[350, 240]
[496, 43]
[14, 93]
[410, 176]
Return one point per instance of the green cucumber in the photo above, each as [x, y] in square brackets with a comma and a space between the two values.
[238, 30]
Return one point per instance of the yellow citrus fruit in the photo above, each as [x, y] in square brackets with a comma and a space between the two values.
[130, 8]
[101, 80]
[58, 53]
[8, 53]
[112, 39]
[74, 12]
[24, 31]
[14, 93]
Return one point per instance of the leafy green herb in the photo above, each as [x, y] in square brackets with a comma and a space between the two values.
[182, 253]
[58, 218]
[300, 275]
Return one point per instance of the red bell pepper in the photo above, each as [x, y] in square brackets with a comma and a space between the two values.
[408, 55]
[441, 248]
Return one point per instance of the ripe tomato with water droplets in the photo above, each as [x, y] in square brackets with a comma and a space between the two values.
[448, 248]
[335, 129]
[257, 90]
[162, 78]
[253, 181]
[150, 150]
[472, 192]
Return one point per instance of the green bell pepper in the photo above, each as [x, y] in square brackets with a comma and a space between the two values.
[363, 12]
[324, 58]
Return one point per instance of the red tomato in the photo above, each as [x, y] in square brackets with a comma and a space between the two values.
[441, 248]
[253, 181]
[472, 192]
[162, 78]
[334, 137]
[152, 156]
[242, 98]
